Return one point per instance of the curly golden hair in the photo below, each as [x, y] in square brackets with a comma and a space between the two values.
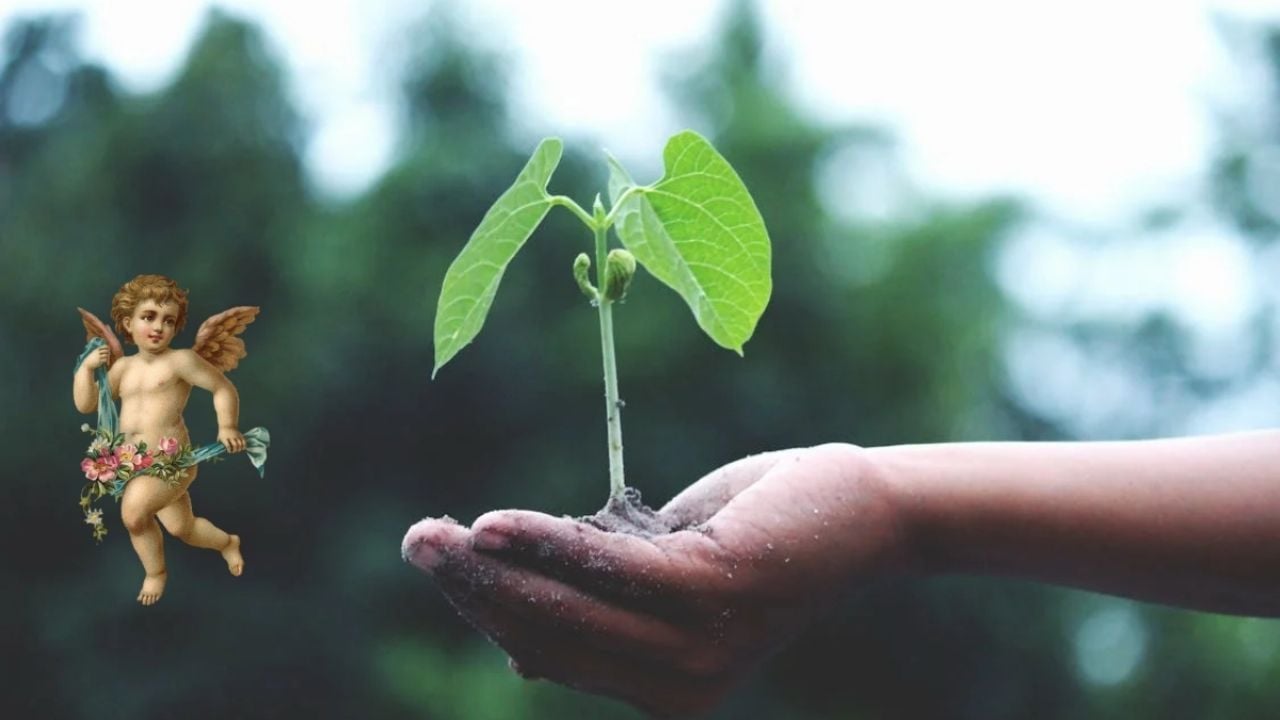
[147, 287]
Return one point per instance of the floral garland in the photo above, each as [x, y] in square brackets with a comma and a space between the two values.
[110, 463]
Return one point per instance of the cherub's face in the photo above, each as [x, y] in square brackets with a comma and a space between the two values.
[153, 325]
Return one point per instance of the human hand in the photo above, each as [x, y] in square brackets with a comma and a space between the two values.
[670, 623]
[231, 439]
[98, 358]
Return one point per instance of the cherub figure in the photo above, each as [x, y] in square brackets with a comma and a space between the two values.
[144, 457]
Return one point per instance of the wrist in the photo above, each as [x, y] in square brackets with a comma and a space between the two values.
[916, 545]
[877, 538]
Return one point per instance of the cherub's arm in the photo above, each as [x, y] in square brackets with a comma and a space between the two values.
[226, 401]
[84, 389]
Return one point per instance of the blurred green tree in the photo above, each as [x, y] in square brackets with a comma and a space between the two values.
[883, 328]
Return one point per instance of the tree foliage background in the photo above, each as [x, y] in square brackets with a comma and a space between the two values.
[882, 329]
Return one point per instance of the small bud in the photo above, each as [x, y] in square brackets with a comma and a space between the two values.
[619, 268]
[581, 265]
[597, 208]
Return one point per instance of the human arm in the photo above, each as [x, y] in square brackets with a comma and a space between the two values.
[84, 389]
[226, 401]
[1192, 522]
[671, 623]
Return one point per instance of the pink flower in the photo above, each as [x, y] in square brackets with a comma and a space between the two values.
[127, 456]
[169, 445]
[143, 461]
[101, 468]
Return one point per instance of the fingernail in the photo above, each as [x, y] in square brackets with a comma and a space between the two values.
[489, 540]
[416, 550]
[421, 554]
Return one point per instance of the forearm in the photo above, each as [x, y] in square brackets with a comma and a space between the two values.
[226, 404]
[1193, 522]
[84, 390]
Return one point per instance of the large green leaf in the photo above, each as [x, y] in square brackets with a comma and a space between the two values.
[698, 231]
[472, 280]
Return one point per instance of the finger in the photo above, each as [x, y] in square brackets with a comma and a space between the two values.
[543, 649]
[704, 498]
[556, 632]
[520, 597]
[659, 688]
[445, 549]
[669, 575]
[429, 541]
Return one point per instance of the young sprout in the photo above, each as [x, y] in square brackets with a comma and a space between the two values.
[696, 230]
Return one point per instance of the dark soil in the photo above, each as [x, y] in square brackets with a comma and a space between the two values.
[630, 515]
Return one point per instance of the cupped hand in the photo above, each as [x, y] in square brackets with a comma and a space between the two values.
[670, 623]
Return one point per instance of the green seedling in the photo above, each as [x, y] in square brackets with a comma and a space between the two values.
[696, 229]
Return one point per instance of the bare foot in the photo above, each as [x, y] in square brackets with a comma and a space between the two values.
[152, 588]
[231, 553]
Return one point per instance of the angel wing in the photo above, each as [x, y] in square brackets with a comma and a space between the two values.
[216, 339]
[94, 327]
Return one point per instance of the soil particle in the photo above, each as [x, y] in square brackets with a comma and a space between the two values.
[628, 514]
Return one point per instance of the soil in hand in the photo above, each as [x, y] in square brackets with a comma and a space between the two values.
[628, 514]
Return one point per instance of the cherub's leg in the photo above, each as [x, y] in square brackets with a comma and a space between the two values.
[182, 523]
[143, 498]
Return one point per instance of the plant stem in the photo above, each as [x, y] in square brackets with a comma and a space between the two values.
[617, 205]
[567, 202]
[613, 405]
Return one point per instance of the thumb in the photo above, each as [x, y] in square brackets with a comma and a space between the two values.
[706, 497]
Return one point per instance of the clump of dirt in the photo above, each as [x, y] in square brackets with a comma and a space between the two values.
[628, 514]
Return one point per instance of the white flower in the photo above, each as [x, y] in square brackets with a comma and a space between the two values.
[98, 445]
[93, 517]
[84, 427]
